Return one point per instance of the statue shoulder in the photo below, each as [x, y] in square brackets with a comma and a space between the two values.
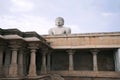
[68, 30]
[51, 31]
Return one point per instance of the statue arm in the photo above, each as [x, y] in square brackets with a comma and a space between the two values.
[68, 31]
[50, 32]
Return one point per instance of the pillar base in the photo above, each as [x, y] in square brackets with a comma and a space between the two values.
[32, 71]
[71, 69]
[43, 70]
[6, 70]
[13, 70]
[20, 71]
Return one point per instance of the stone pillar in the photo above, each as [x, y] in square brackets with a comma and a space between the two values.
[20, 62]
[1, 56]
[43, 67]
[32, 66]
[13, 70]
[1, 61]
[117, 60]
[7, 61]
[49, 61]
[25, 62]
[71, 64]
[95, 65]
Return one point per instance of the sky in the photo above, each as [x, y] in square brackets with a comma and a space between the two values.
[82, 16]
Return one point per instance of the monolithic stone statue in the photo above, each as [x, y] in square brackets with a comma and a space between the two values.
[59, 29]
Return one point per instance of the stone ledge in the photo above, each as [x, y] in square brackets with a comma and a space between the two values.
[84, 35]
[12, 37]
[85, 47]
[31, 39]
[99, 74]
[26, 78]
[11, 78]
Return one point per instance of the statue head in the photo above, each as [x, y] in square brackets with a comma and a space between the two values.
[59, 29]
[59, 22]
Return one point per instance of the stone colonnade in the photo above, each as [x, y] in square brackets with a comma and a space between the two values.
[17, 51]
[94, 53]
[71, 64]
[32, 67]
[12, 59]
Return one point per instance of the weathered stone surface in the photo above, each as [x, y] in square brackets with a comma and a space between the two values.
[13, 70]
[78, 66]
[92, 74]
[95, 40]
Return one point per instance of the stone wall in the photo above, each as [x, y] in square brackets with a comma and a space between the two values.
[83, 61]
[91, 40]
[106, 60]
[59, 60]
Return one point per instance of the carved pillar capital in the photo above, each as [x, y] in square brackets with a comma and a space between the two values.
[45, 51]
[71, 52]
[33, 50]
[33, 44]
[94, 51]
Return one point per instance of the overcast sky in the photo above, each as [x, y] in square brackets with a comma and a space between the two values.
[82, 16]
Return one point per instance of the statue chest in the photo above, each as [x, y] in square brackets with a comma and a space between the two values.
[59, 31]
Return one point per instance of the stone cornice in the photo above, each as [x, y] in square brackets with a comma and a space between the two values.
[32, 39]
[84, 35]
[35, 37]
[86, 47]
[34, 34]
[12, 37]
[12, 32]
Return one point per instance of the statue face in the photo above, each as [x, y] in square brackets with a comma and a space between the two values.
[59, 21]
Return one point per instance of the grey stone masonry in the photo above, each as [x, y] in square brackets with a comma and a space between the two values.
[32, 67]
[117, 60]
[13, 70]
[95, 65]
[43, 66]
[71, 64]
[1, 61]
